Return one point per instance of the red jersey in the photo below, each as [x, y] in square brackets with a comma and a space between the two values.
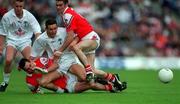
[43, 62]
[75, 22]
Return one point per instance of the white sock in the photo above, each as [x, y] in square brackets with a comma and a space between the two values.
[59, 90]
[6, 77]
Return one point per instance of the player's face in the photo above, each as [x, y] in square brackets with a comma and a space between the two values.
[29, 66]
[52, 30]
[18, 7]
[60, 6]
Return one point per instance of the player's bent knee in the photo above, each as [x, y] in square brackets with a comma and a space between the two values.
[8, 61]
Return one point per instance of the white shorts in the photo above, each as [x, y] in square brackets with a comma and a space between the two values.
[19, 45]
[65, 62]
[71, 82]
[92, 36]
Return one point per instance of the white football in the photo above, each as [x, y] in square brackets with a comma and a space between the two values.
[165, 75]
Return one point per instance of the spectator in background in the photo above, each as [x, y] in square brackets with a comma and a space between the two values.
[102, 15]
[2, 37]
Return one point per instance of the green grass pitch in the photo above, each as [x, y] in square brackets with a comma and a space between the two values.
[143, 88]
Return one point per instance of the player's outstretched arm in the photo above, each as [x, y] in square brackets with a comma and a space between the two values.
[68, 41]
[75, 41]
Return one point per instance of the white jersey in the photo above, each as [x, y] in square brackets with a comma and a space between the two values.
[50, 45]
[44, 43]
[17, 29]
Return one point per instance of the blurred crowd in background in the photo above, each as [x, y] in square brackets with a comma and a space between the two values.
[126, 27]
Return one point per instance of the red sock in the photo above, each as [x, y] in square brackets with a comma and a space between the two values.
[110, 77]
[108, 87]
[88, 68]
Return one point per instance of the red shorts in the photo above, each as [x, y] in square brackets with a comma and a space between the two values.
[61, 82]
[32, 80]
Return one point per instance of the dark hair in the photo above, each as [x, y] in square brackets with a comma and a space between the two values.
[50, 22]
[64, 1]
[22, 63]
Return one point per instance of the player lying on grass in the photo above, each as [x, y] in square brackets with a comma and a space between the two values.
[34, 72]
[67, 83]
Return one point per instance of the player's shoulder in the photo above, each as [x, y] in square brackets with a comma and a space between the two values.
[61, 29]
[68, 13]
[69, 10]
[40, 40]
[42, 36]
[9, 14]
[27, 13]
[67, 18]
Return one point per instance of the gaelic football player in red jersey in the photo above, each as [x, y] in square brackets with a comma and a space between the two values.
[67, 83]
[80, 34]
[34, 72]
[83, 40]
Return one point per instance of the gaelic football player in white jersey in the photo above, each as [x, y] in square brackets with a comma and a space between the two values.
[50, 41]
[19, 25]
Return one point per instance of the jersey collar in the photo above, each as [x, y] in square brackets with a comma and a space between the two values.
[65, 10]
[15, 14]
